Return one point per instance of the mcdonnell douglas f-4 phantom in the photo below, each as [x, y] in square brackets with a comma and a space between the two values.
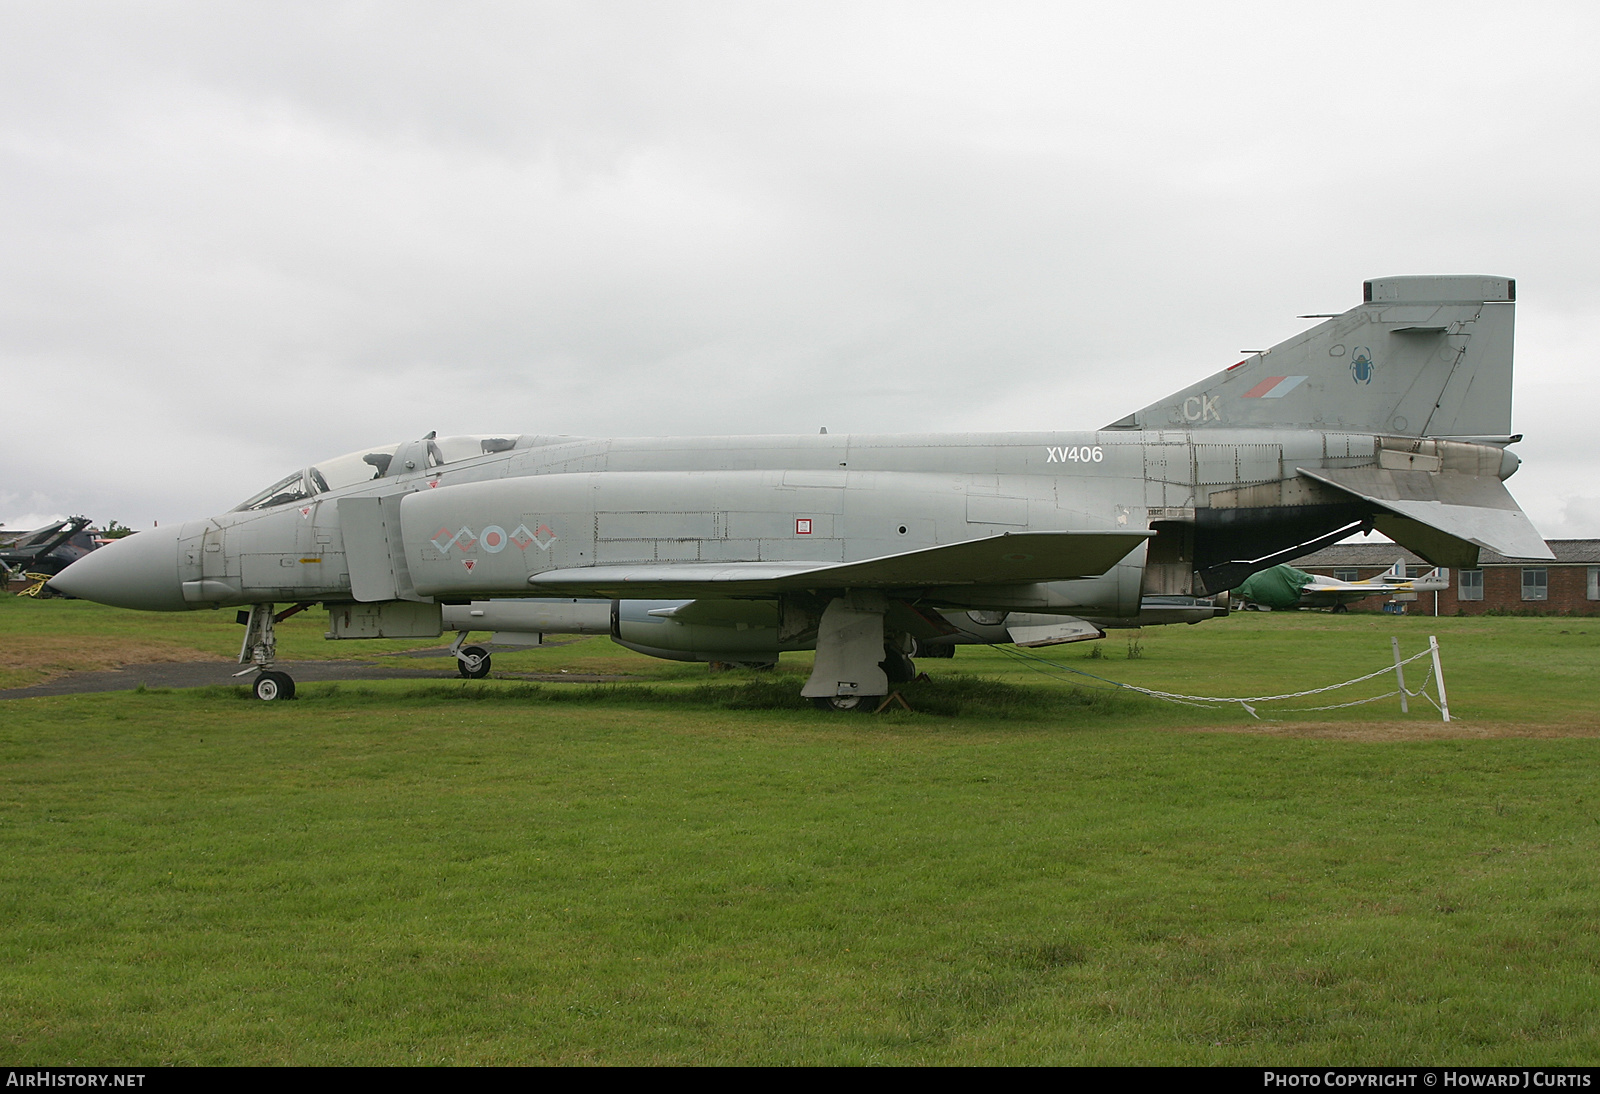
[1394, 415]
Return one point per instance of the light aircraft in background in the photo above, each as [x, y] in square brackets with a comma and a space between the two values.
[1284, 587]
[44, 552]
[870, 548]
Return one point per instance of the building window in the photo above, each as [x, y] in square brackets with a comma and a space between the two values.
[1346, 575]
[1535, 583]
[1594, 582]
[1471, 587]
[1414, 572]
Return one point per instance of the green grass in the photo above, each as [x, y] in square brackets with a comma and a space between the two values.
[1498, 669]
[44, 638]
[694, 869]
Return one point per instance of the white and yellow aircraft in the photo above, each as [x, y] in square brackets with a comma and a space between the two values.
[1284, 587]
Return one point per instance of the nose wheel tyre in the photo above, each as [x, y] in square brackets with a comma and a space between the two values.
[274, 686]
[473, 663]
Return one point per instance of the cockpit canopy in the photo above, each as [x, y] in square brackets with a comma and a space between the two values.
[368, 464]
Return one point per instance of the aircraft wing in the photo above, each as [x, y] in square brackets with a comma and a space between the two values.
[1355, 590]
[1014, 558]
[1326, 596]
[1326, 586]
[1444, 516]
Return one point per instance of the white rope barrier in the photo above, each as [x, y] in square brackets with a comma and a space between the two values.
[1250, 702]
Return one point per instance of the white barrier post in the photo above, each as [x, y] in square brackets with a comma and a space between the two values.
[1438, 672]
[1399, 674]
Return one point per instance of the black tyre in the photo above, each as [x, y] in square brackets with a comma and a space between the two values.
[473, 662]
[898, 667]
[841, 704]
[271, 687]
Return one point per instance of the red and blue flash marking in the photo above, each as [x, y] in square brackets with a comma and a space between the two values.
[1274, 387]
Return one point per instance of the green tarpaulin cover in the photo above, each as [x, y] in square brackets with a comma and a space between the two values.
[1278, 587]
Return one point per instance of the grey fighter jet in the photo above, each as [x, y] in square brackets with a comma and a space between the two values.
[1394, 415]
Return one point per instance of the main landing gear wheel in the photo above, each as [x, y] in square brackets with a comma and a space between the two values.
[273, 686]
[899, 668]
[473, 663]
[843, 703]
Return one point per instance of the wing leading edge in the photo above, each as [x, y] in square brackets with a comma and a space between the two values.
[1013, 558]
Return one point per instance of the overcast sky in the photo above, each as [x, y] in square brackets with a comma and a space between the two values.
[239, 238]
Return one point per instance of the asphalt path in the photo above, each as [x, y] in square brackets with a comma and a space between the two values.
[199, 674]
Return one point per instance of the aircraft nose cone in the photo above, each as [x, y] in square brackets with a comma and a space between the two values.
[140, 571]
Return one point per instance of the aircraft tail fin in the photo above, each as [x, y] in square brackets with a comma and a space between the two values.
[1420, 357]
[1397, 572]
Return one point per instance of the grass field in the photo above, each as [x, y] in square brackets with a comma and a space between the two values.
[693, 869]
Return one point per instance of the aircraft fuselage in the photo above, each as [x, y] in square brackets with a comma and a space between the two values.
[480, 527]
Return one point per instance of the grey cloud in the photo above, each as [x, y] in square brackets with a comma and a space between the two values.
[245, 237]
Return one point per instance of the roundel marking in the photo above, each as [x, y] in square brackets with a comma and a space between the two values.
[493, 539]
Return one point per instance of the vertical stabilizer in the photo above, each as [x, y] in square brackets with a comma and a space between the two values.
[1421, 357]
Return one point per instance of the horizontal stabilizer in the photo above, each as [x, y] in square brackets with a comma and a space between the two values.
[1015, 558]
[1444, 516]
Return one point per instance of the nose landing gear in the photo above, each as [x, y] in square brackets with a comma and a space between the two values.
[260, 648]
